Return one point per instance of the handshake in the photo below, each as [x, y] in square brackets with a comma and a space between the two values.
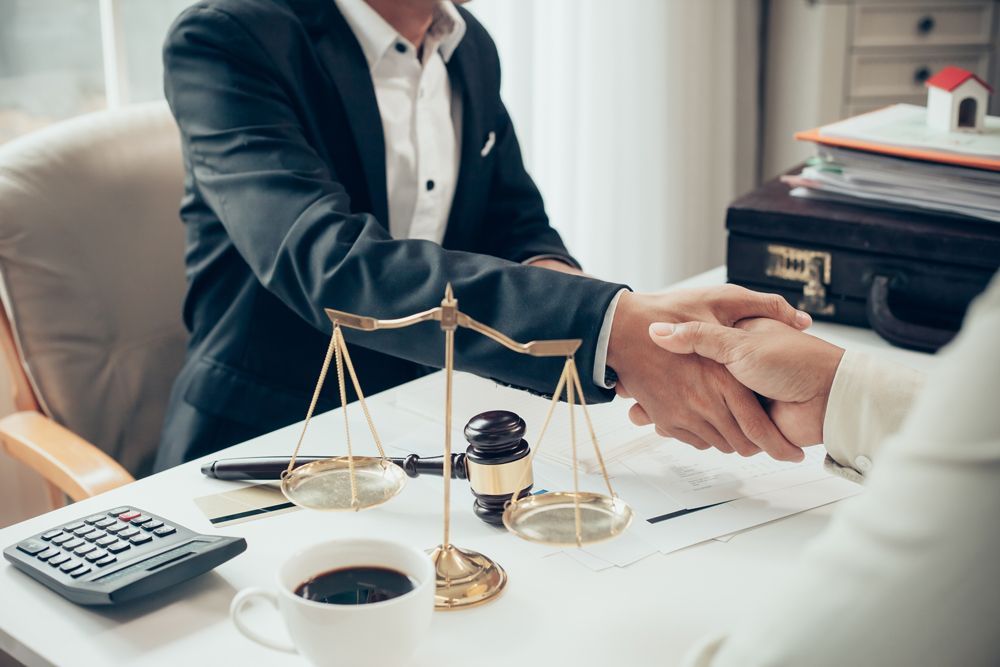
[723, 367]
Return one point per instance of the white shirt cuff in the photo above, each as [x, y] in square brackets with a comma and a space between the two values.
[868, 400]
[601, 353]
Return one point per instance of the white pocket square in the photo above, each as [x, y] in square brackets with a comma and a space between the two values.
[491, 139]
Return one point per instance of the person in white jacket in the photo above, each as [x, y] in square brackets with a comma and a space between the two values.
[907, 573]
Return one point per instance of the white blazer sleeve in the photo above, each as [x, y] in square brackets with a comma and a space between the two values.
[868, 400]
[907, 572]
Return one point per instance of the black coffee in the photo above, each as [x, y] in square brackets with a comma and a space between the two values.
[356, 585]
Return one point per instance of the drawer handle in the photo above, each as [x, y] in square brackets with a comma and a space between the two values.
[926, 25]
[921, 75]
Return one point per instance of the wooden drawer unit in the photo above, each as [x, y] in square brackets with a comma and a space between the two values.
[831, 59]
[940, 24]
[895, 74]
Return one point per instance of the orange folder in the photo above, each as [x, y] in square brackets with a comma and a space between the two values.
[973, 162]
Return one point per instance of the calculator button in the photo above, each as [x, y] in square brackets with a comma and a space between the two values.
[128, 533]
[84, 549]
[128, 516]
[117, 528]
[94, 519]
[164, 531]
[141, 539]
[52, 533]
[32, 547]
[141, 519]
[58, 560]
[47, 554]
[73, 526]
[119, 510]
[72, 544]
[152, 525]
[119, 547]
[94, 536]
[97, 554]
[107, 560]
[62, 539]
[83, 530]
[106, 540]
[70, 565]
[76, 574]
[105, 522]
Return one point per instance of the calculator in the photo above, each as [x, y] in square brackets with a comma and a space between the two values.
[119, 555]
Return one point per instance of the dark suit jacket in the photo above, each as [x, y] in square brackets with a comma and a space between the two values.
[285, 210]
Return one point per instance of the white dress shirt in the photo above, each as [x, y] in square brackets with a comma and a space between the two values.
[907, 573]
[422, 126]
[421, 119]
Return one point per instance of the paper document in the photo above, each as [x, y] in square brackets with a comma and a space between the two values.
[906, 125]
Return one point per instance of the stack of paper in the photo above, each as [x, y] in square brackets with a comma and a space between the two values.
[890, 158]
[681, 496]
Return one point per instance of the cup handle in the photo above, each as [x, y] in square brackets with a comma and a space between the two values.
[236, 613]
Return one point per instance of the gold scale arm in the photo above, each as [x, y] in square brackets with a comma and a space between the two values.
[451, 318]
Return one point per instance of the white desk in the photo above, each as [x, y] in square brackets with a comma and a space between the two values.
[554, 611]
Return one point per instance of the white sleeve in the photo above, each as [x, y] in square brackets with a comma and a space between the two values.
[907, 572]
[868, 401]
[603, 338]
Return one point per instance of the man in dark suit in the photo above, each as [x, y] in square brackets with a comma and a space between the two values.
[356, 155]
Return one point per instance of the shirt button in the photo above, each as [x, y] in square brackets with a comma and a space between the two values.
[401, 47]
[863, 464]
[430, 185]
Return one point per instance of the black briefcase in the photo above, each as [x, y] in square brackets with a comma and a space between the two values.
[909, 276]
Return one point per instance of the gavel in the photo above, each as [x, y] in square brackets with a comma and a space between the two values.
[495, 462]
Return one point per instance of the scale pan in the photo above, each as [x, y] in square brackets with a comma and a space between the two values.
[549, 518]
[326, 485]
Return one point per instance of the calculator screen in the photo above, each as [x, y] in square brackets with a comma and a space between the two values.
[153, 563]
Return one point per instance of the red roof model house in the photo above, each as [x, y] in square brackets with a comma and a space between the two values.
[956, 101]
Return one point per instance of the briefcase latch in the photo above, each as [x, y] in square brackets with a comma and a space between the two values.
[810, 267]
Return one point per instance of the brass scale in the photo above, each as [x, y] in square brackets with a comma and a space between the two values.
[464, 578]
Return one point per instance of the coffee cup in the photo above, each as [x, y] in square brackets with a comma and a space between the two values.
[379, 628]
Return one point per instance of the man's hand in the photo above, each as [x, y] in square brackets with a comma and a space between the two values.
[792, 368]
[689, 397]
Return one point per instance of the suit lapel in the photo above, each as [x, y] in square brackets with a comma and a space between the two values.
[462, 69]
[345, 63]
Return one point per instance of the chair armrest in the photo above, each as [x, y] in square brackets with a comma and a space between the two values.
[64, 459]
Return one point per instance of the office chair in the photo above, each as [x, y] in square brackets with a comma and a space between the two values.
[91, 280]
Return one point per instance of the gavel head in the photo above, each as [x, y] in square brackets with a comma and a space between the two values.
[496, 461]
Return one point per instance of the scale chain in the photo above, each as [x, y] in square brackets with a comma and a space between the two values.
[312, 404]
[571, 368]
[361, 397]
[338, 334]
[593, 434]
[541, 434]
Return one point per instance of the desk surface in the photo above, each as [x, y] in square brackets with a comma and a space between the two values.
[554, 611]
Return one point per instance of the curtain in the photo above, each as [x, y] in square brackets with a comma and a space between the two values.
[638, 121]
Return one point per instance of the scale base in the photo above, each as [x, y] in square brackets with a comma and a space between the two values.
[465, 578]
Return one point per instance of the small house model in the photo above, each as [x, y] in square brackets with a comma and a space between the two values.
[956, 101]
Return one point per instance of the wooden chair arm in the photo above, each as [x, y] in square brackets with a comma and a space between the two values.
[61, 457]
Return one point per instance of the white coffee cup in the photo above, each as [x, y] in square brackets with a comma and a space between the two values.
[380, 633]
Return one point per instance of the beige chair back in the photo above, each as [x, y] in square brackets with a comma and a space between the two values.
[92, 272]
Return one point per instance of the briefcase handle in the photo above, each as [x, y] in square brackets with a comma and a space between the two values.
[899, 332]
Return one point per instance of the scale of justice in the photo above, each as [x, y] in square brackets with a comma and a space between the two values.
[464, 578]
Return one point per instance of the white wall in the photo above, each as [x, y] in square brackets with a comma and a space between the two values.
[638, 120]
